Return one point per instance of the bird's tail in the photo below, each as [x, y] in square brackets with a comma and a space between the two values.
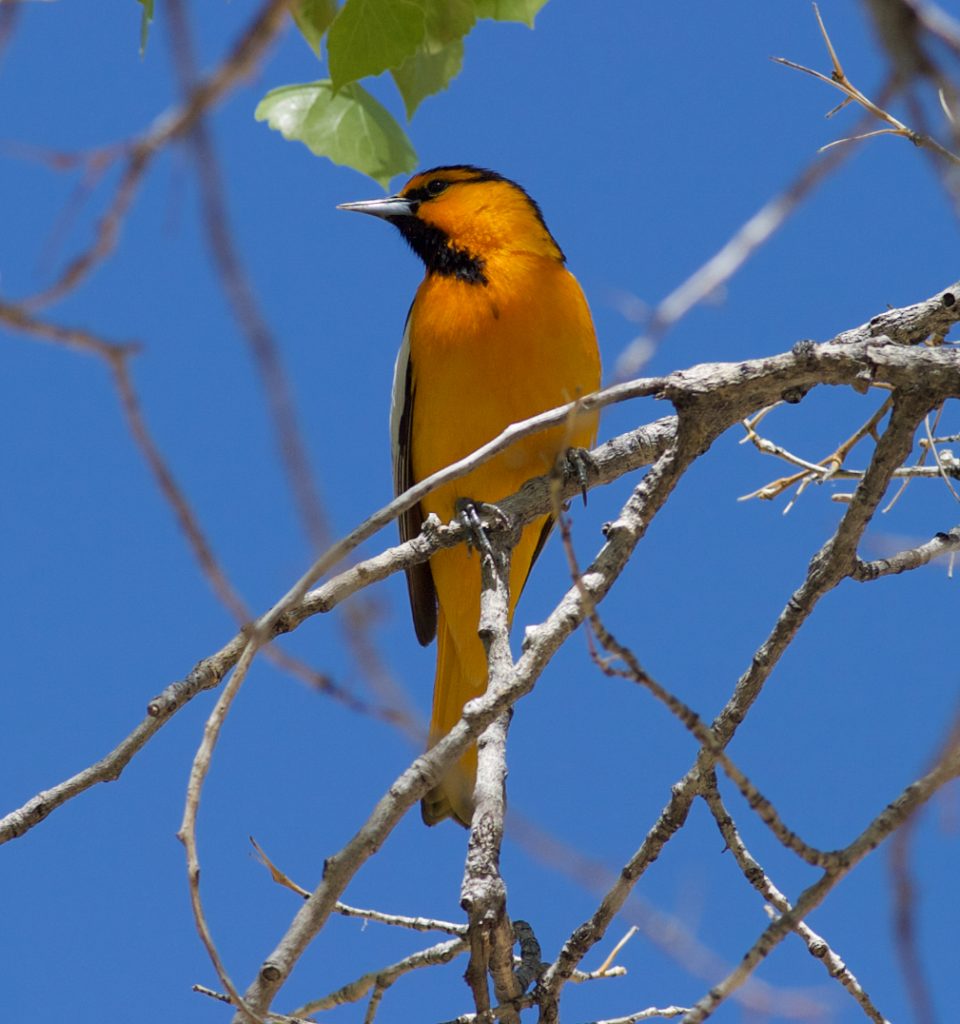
[461, 676]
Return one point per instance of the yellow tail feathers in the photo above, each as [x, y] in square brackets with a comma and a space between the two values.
[461, 676]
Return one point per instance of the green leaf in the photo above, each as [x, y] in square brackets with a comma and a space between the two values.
[146, 17]
[313, 18]
[447, 21]
[510, 10]
[426, 73]
[348, 126]
[368, 37]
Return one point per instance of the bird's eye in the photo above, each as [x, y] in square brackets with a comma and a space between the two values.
[436, 186]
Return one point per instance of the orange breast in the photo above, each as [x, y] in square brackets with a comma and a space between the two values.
[486, 356]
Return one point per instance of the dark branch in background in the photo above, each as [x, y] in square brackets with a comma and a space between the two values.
[725, 263]
[169, 127]
[266, 355]
[174, 494]
[186, 122]
[9, 12]
[116, 356]
[904, 903]
[263, 346]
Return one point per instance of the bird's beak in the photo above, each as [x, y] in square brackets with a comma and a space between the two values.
[392, 206]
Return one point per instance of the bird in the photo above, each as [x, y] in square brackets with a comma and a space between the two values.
[499, 330]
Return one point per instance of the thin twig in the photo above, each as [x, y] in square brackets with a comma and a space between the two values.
[417, 924]
[188, 828]
[825, 469]
[354, 991]
[651, 1013]
[838, 80]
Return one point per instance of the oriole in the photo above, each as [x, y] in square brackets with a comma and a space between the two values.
[499, 331]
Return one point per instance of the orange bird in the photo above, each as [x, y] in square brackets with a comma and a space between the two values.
[499, 331]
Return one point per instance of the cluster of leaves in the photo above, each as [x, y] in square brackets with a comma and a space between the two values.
[420, 42]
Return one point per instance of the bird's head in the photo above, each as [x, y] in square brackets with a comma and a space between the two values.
[456, 218]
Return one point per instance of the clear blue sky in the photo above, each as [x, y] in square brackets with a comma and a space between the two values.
[648, 133]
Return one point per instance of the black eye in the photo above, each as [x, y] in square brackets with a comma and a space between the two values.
[436, 186]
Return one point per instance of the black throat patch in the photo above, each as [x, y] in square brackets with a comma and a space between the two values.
[438, 253]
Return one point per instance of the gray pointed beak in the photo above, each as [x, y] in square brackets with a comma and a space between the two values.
[391, 206]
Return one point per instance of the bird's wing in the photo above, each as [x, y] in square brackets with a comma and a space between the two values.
[423, 594]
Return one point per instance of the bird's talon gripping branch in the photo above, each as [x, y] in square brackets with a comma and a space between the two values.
[470, 513]
[576, 465]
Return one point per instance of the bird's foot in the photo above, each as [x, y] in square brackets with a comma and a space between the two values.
[575, 464]
[470, 512]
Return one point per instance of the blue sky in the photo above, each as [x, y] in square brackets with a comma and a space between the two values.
[648, 134]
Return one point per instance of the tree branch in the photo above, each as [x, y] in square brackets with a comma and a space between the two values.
[483, 894]
[912, 798]
[758, 878]
[835, 560]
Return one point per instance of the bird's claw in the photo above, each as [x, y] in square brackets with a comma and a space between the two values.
[469, 513]
[576, 464]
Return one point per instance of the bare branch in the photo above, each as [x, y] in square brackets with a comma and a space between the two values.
[669, 933]
[758, 878]
[417, 924]
[630, 450]
[739, 388]
[891, 818]
[709, 398]
[833, 563]
[633, 671]
[652, 1013]
[838, 79]
[913, 558]
[483, 894]
[188, 828]
[442, 953]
